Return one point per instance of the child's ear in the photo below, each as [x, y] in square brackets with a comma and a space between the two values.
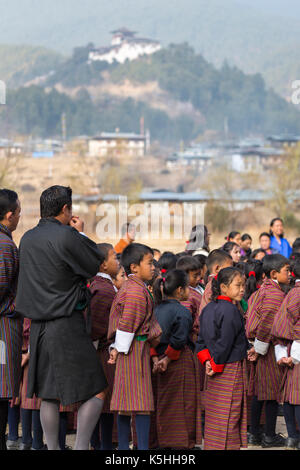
[273, 274]
[217, 268]
[134, 268]
[103, 266]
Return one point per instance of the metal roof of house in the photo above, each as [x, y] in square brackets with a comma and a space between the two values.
[118, 135]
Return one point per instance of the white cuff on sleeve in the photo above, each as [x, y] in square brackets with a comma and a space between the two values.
[295, 352]
[261, 347]
[96, 344]
[82, 233]
[280, 352]
[122, 342]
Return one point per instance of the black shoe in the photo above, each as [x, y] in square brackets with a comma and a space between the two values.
[291, 443]
[254, 439]
[277, 441]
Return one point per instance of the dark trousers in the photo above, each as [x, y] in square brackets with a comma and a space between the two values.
[13, 422]
[292, 419]
[3, 422]
[32, 432]
[271, 416]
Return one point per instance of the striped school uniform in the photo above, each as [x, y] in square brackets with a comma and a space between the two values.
[27, 403]
[286, 330]
[178, 407]
[103, 293]
[132, 317]
[262, 308]
[222, 342]
[10, 324]
[206, 297]
[193, 305]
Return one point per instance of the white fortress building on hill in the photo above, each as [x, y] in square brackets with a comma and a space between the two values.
[124, 46]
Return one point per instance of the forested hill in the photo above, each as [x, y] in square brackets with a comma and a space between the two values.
[205, 98]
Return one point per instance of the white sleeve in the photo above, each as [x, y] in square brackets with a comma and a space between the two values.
[280, 352]
[122, 342]
[295, 352]
[261, 347]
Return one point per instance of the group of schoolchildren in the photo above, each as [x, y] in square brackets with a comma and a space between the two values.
[197, 346]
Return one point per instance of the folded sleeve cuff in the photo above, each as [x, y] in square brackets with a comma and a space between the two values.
[280, 352]
[261, 347]
[295, 352]
[216, 367]
[172, 353]
[122, 342]
[153, 352]
[204, 356]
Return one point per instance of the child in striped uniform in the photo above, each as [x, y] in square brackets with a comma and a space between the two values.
[178, 408]
[103, 293]
[286, 332]
[190, 265]
[223, 347]
[262, 308]
[134, 330]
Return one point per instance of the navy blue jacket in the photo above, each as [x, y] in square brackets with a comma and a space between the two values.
[176, 323]
[222, 333]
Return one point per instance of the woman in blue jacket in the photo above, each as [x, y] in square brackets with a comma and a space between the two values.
[279, 244]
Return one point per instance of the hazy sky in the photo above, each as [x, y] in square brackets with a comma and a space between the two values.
[64, 24]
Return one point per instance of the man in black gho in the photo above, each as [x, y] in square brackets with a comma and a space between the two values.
[56, 259]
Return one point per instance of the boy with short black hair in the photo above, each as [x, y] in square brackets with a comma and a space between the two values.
[134, 330]
[262, 308]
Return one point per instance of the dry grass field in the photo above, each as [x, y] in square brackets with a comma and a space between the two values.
[31, 176]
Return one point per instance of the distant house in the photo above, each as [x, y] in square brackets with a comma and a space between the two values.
[284, 140]
[118, 145]
[8, 148]
[256, 159]
[194, 157]
[124, 46]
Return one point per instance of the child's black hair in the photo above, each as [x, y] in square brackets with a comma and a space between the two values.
[264, 234]
[253, 272]
[273, 262]
[226, 277]
[104, 249]
[216, 257]
[228, 247]
[201, 260]
[241, 266]
[166, 285]
[255, 252]
[167, 261]
[246, 236]
[295, 267]
[232, 235]
[296, 245]
[134, 254]
[188, 263]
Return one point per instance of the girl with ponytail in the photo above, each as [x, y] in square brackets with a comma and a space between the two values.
[178, 393]
[223, 347]
[254, 276]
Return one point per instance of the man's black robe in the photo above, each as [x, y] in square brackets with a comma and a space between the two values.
[55, 263]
